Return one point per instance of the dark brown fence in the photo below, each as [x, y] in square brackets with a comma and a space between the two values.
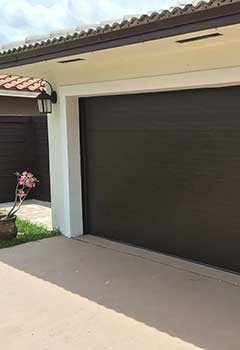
[23, 146]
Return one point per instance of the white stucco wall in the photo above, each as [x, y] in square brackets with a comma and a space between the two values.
[65, 170]
[161, 65]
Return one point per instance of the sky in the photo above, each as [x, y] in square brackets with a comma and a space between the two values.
[24, 18]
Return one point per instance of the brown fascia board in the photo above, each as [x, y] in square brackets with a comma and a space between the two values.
[220, 16]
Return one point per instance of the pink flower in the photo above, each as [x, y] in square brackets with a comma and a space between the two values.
[21, 194]
[25, 182]
[22, 180]
[27, 179]
[30, 183]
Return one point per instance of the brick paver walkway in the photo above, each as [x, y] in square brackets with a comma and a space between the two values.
[35, 211]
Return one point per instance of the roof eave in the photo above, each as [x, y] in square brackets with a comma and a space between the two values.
[223, 15]
[16, 93]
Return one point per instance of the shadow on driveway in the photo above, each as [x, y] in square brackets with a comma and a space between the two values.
[192, 307]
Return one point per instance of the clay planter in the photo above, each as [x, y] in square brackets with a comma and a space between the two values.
[8, 228]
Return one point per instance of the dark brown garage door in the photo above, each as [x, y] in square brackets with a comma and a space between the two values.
[23, 146]
[162, 171]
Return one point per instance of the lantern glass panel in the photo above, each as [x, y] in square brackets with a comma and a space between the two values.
[40, 106]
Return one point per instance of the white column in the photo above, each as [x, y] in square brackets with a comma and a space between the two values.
[65, 167]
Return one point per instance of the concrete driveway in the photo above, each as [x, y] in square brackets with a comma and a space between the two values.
[95, 294]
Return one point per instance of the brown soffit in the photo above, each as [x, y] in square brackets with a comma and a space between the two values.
[190, 18]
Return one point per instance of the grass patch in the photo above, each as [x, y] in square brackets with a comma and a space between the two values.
[28, 232]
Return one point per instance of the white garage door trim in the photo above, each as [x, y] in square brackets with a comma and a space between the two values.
[64, 138]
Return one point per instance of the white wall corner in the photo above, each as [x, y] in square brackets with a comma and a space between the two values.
[65, 167]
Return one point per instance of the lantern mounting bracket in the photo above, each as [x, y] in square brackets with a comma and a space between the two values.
[53, 94]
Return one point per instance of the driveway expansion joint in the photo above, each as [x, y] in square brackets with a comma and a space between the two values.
[179, 268]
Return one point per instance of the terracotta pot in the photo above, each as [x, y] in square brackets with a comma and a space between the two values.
[8, 228]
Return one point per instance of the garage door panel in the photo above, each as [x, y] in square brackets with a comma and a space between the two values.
[162, 171]
[188, 105]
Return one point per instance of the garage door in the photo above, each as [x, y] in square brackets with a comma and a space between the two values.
[162, 171]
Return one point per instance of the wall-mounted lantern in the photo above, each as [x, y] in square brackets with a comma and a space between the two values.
[46, 100]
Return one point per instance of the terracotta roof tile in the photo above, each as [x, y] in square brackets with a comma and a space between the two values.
[17, 83]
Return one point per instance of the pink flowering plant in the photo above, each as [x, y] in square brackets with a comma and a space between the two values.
[26, 181]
